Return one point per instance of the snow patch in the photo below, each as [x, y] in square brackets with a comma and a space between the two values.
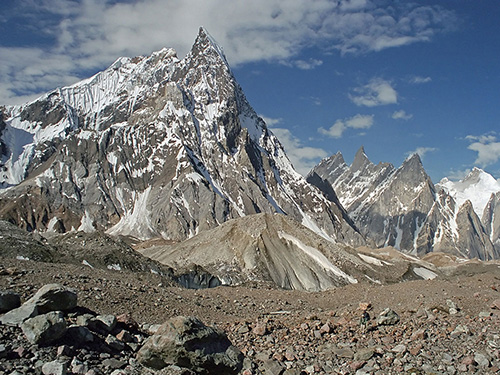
[114, 267]
[424, 273]
[87, 224]
[317, 256]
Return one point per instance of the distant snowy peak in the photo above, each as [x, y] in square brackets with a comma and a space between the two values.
[402, 207]
[477, 187]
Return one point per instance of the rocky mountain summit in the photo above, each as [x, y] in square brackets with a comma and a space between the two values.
[154, 146]
[401, 207]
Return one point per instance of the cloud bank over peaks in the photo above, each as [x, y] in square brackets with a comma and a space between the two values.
[421, 151]
[356, 122]
[88, 35]
[375, 93]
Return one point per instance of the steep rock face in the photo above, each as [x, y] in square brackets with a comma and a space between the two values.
[402, 208]
[153, 146]
[491, 220]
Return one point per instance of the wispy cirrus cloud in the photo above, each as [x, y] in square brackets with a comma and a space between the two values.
[487, 147]
[340, 126]
[88, 35]
[418, 80]
[375, 93]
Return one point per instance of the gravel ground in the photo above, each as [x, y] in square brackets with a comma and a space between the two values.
[285, 332]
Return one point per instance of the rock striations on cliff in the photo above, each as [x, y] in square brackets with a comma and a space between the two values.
[152, 146]
[401, 207]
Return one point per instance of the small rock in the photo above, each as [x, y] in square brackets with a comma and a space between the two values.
[272, 368]
[364, 354]
[260, 329]
[343, 352]
[113, 363]
[125, 336]
[481, 360]
[399, 349]
[452, 307]
[496, 304]
[114, 343]
[79, 336]
[63, 350]
[55, 368]
[325, 328]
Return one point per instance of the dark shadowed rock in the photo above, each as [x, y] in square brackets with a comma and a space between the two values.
[187, 342]
[45, 329]
[54, 297]
[9, 300]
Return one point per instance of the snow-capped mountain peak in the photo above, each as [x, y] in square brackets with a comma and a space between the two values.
[152, 146]
[476, 187]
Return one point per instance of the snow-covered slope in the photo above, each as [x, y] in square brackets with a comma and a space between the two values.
[476, 187]
[152, 146]
[402, 207]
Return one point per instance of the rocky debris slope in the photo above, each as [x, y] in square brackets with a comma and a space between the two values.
[154, 146]
[422, 327]
[94, 250]
[276, 250]
[402, 208]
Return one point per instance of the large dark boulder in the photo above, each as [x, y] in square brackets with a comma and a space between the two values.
[186, 342]
[54, 297]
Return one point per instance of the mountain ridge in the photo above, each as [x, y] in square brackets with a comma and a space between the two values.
[401, 207]
[153, 146]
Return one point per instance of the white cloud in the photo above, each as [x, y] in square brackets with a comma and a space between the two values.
[401, 115]
[302, 157]
[271, 121]
[487, 147]
[417, 80]
[356, 122]
[307, 64]
[89, 35]
[421, 151]
[377, 92]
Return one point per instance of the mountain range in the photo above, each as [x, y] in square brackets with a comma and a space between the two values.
[401, 207]
[162, 147]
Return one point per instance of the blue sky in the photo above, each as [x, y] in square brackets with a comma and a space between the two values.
[394, 76]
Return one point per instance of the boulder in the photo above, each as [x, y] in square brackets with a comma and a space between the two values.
[387, 317]
[18, 316]
[187, 342]
[54, 297]
[45, 329]
[9, 301]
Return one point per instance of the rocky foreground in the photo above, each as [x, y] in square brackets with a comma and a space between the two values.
[115, 317]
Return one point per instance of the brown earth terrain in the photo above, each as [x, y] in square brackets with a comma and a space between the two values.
[446, 325]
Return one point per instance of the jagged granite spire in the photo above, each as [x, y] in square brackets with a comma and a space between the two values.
[155, 146]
